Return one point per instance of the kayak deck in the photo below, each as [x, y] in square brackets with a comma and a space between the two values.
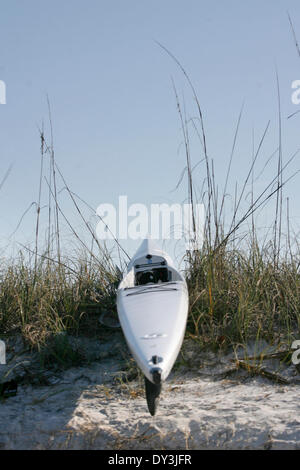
[153, 320]
[152, 303]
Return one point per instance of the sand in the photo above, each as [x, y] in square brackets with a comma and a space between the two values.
[98, 405]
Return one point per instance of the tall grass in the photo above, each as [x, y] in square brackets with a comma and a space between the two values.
[240, 288]
[40, 300]
[44, 292]
[239, 295]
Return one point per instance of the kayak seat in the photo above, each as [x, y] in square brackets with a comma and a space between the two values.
[154, 276]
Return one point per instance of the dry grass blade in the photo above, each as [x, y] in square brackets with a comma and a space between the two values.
[294, 34]
[5, 177]
[256, 370]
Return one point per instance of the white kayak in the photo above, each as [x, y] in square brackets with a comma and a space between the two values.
[152, 303]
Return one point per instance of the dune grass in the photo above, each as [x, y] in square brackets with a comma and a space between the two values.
[237, 296]
[240, 289]
[39, 300]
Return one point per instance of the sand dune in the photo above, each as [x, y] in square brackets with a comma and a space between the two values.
[212, 407]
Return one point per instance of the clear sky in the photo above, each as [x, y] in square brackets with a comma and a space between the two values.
[116, 126]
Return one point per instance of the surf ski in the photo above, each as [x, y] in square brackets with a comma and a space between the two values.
[152, 304]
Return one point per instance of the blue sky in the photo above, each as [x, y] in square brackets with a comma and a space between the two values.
[116, 127]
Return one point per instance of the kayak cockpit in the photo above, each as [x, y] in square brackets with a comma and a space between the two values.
[150, 269]
[153, 276]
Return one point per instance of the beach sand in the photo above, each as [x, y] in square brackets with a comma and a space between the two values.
[209, 406]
